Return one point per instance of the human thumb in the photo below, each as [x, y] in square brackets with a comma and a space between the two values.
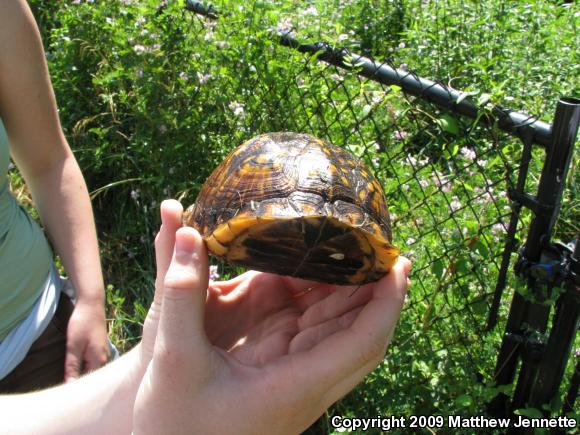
[181, 326]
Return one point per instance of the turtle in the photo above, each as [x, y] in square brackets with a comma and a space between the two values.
[293, 204]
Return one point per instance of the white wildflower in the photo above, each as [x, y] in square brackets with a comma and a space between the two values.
[237, 108]
[203, 78]
[213, 273]
[498, 228]
[455, 204]
[468, 153]
[400, 134]
[285, 27]
[311, 11]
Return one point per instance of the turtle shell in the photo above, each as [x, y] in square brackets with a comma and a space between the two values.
[293, 204]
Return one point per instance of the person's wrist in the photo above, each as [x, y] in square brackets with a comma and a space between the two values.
[91, 298]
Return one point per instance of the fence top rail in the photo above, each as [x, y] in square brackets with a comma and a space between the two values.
[513, 122]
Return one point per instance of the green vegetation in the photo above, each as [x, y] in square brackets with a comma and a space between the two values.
[153, 98]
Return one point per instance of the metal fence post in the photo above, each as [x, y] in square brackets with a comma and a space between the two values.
[526, 315]
[566, 318]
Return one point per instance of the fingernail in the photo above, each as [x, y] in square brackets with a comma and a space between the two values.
[184, 245]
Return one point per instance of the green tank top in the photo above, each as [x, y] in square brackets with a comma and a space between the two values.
[25, 255]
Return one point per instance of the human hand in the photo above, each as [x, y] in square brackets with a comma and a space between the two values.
[171, 212]
[260, 353]
[87, 346]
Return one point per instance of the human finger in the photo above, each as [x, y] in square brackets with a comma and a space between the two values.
[181, 326]
[171, 212]
[72, 363]
[338, 302]
[309, 337]
[95, 356]
[365, 341]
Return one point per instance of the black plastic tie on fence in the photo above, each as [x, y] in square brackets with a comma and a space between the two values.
[201, 8]
[529, 201]
[161, 7]
[556, 266]
[531, 347]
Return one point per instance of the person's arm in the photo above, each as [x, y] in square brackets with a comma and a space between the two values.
[41, 152]
[100, 402]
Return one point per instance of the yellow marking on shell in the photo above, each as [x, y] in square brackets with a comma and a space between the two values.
[223, 234]
[367, 248]
[332, 169]
[276, 165]
[238, 150]
[240, 253]
[323, 147]
[250, 170]
[370, 187]
[376, 202]
[386, 257]
[362, 272]
[215, 247]
[262, 159]
[241, 223]
[308, 210]
[362, 195]
[343, 180]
